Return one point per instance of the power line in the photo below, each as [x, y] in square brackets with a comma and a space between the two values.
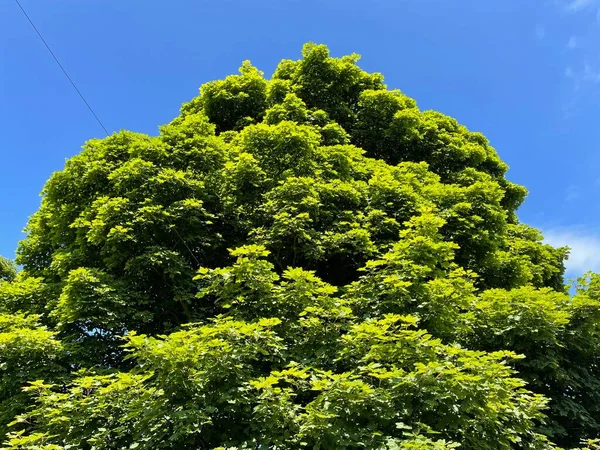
[62, 68]
[94, 114]
[184, 243]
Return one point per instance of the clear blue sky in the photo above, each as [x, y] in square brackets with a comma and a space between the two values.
[525, 73]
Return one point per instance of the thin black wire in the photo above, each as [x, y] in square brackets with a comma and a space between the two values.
[183, 241]
[92, 111]
[62, 68]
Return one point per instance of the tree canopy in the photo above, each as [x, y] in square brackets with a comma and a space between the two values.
[306, 261]
[8, 270]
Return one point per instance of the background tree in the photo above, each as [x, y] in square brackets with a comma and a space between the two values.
[302, 261]
[8, 270]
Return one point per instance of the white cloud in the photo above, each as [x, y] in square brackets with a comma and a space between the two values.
[580, 52]
[569, 72]
[578, 5]
[540, 32]
[585, 248]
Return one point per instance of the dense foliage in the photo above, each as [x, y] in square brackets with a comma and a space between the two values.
[308, 261]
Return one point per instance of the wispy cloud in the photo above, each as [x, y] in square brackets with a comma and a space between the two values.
[591, 74]
[540, 32]
[578, 5]
[584, 245]
[580, 29]
[569, 72]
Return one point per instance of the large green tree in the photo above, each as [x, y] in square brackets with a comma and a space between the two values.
[306, 261]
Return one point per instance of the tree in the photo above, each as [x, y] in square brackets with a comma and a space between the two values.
[8, 270]
[302, 261]
[28, 351]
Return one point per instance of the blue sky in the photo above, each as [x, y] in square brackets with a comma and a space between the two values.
[525, 73]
